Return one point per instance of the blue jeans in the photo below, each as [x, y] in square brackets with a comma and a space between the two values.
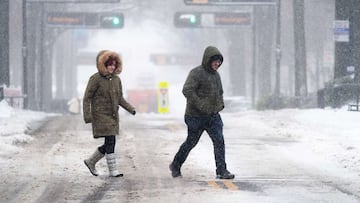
[213, 125]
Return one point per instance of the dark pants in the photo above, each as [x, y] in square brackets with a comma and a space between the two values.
[213, 125]
[109, 145]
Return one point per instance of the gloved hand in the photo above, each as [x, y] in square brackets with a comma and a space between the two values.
[133, 112]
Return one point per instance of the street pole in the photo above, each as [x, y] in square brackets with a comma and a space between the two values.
[4, 43]
[253, 72]
[354, 38]
[43, 77]
[278, 55]
[24, 55]
[300, 50]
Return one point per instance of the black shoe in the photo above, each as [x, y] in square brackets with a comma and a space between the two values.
[175, 171]
[225, 175]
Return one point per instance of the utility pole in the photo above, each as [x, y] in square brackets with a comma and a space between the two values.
[300, 49]
[347, 50]
[278, 50]
[254, 59]
[24, 55]
[355, 38]
[4, 43]
[342, 49]
[265, 21]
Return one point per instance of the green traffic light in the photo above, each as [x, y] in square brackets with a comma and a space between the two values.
[193, 19]
[112, 21]
[116, 21]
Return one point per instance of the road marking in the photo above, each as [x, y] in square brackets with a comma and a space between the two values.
[230, 185]
[214, 184]
[225, 185]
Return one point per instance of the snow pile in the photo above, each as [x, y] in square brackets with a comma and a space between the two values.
[330, 134]
[335, 134]
[5, 109]
[14, 123]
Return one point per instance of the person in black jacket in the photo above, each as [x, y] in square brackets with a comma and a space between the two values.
[204, 94]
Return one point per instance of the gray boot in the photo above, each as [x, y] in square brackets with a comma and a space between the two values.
[90, 162]
[111, 162]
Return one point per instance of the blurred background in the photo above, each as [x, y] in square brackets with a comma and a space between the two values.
[277, 53]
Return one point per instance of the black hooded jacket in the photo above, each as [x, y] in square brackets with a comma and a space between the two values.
[203, 89]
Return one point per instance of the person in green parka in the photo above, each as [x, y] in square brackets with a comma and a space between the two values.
[204, 100]
[102, 98]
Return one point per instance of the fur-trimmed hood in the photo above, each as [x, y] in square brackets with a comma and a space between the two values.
[103, 56]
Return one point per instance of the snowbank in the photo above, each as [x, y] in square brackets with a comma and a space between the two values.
[14, 123]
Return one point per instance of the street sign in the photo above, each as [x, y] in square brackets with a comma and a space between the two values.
[350, 69]
[163, 97]
[85, 20]
[212, 19]
[341, 30]
[73, 1]
[174, 59]
[71, 19]
[230, 2]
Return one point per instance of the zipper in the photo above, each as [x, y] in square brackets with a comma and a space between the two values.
[111, 96]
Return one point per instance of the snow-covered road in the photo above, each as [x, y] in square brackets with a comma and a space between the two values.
[277, 156]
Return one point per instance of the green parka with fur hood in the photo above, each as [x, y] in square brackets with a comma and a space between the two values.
[102, 98]
[203, 89]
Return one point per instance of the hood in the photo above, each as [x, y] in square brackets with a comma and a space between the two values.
[102, 57]
[209, 52]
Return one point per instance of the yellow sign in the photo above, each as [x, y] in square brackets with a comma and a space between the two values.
[163, 97]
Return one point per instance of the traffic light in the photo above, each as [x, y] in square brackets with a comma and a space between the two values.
[212, 19]
[112, 21]
[183, 19]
